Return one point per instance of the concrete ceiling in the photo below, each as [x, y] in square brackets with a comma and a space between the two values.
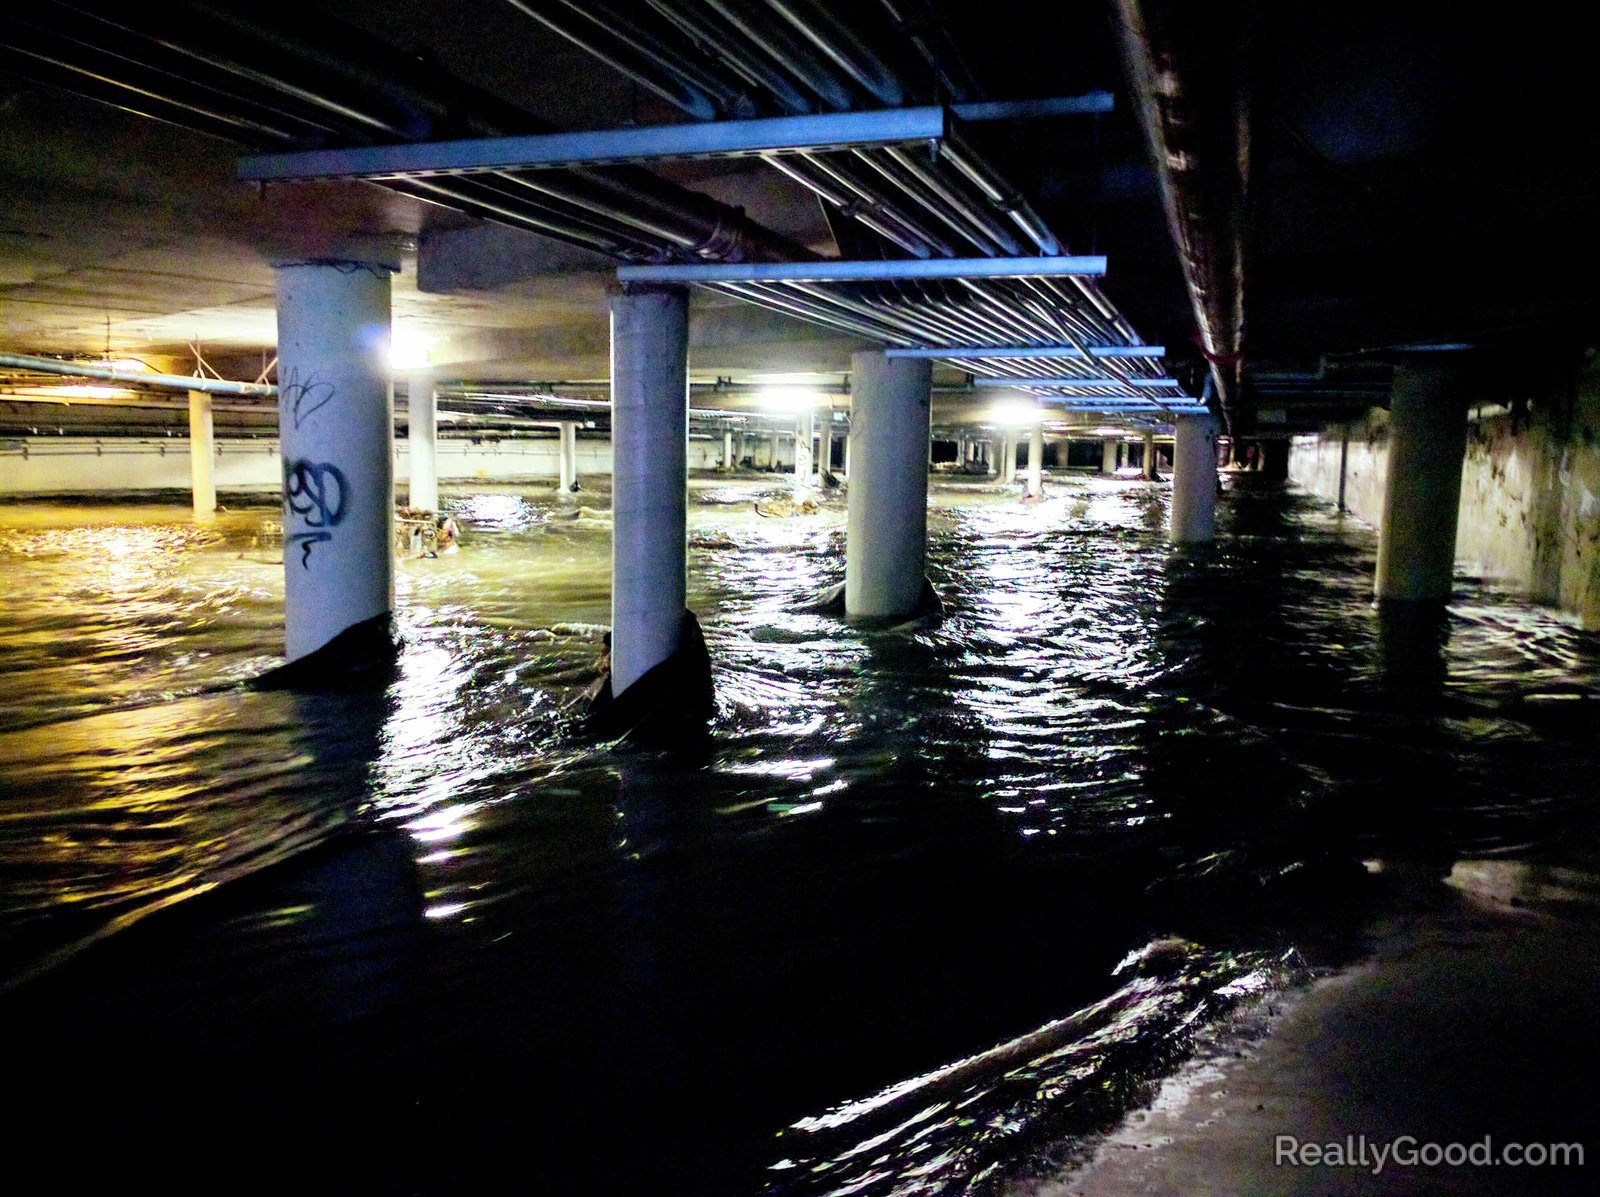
[1413, 179]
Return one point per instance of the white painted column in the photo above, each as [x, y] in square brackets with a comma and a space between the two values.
[1036, 461]
[805, 429]
[1008, 458]
[1108, 457]
[650, 477]
[1149, 461]
[727, 448]
[1422, 493]
[886, 533]
[202, 455]
[1194, 479]
[569, 457]
[422, 435]
[336, 427]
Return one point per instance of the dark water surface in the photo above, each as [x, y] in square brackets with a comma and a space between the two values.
[928, 908]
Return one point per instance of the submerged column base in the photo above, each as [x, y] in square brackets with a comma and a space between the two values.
[671, 698]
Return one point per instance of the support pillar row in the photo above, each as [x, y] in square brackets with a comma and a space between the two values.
[886, 539]
[805, 431]
[1422, 494]
[1194, 479]
[336, 424]
[202, 455]
[1036, 461]
[650, 442]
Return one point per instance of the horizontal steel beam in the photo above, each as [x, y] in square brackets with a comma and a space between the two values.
[712, 139]
[1023, 380]
[1014, 110]
[707, 139]
[997, 353]
[863, 272]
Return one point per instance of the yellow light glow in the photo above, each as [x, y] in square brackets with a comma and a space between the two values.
[76, 392]
[786, 400]
[1015, 415]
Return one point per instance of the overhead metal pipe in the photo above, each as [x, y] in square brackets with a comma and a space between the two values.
[843, 48]
[1188, 67]
[959, 154]
[371, 105]
[604, 40]
[773, 39]
[952, 77]
[108, 373]
[726, 47]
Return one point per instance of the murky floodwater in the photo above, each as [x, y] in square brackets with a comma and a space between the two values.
[928, 908]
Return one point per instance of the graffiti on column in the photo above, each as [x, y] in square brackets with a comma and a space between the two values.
[315, 491]
[305, 396]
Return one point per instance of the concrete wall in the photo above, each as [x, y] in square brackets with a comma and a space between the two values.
[83, 465]
[1530, 486]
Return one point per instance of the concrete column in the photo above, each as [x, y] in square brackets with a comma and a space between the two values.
[1422, 495]
[805, 429]
[1194, 479]
[569, 457]
[1344, 463]
[1036, 461]
[422, 433]
[649, 477]
[727, 448]
[1108, 457]
[1008, 458]
[1149, 462]
[336, 426]
[886, 537]
[202, 455]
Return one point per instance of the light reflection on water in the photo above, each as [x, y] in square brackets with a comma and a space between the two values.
[898, 851]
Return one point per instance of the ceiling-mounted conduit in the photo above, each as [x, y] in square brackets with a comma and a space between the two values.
[652, 67]
[107, 373]
[1188, 70]
[840, 45]
[212, 88]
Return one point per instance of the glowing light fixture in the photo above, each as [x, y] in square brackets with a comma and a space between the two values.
[408, 349]
[1015, 415]
[788, 400]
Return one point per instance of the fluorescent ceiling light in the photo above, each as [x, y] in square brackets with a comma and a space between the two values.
[788, 400]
